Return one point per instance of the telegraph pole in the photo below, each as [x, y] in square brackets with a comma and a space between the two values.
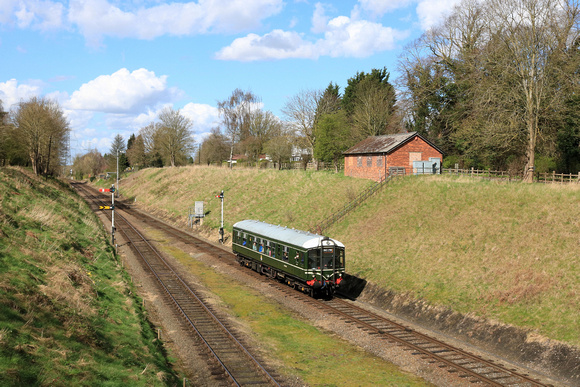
[117, 169]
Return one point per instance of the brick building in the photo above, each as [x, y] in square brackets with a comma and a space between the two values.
[401, 153]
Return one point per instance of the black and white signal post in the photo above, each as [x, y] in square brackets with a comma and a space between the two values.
[221, 196]
[112, 208]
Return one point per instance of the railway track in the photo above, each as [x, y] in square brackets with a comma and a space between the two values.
[467, 366]
[471, 368]
[234, 360]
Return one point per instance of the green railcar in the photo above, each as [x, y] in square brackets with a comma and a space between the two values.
[309, 262]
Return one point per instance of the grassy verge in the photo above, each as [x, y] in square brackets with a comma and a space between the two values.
[504, 251]
[508, 252]
[67, 312]
[318, 358]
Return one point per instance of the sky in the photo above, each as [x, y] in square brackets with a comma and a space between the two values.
[112, 65]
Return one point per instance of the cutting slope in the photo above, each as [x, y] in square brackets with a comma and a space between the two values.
[507, 252]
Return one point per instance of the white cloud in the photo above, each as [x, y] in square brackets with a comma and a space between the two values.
[36, 14]
[358, 38]
[380, 7]
[343, 37]
[204, 117]
[432, 12]
[319, 19]
[98, 18]
[123, 92]
[11, 93]
[7, 8]
[277, 44]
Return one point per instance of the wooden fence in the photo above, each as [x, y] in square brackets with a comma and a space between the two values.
[557, 178]
[483, 173]
[547, 178]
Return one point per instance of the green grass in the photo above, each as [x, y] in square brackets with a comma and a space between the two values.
[507, 252]
[67, 310]
[318, 358]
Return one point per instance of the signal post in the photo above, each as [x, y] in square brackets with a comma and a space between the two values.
[221, 196]
[112, 208]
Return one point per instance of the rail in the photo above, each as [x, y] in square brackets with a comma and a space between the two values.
[236, 362]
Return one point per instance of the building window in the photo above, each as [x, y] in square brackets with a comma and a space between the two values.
[369, 161]
[379, 161]
[359, 161]
[414, 156]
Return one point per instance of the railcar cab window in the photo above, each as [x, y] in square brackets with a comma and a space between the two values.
[327, 257]
[313, 258]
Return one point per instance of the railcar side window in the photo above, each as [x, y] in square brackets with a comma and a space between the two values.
[340, 260]
[273, 249]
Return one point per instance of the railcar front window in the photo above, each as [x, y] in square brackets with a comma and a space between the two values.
[327, 257]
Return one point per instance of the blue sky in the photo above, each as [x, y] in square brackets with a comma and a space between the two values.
[114, 64]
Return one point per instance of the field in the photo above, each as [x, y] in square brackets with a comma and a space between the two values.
[505, 252]
[68, 314]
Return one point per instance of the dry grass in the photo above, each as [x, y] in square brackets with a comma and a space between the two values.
[508, 252]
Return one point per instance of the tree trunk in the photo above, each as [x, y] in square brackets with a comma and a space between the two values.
[531, 150]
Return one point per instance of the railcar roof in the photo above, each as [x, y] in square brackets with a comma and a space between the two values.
[291, 236]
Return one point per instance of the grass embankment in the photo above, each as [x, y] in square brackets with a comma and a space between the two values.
[290, 198]
[507, 252]
[68, 314]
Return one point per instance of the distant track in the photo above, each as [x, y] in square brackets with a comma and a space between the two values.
[471, 368]
[234, 359]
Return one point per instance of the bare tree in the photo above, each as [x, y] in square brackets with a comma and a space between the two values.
[148, 134]
[235, 113]
[300, 112]
[44, 128]
[91, 163]
[175, 136]
[279, 148]
[534, 37]
[215, 148]
[264, 125]
[374, 109]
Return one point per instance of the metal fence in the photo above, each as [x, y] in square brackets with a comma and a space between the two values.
[319, 229]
